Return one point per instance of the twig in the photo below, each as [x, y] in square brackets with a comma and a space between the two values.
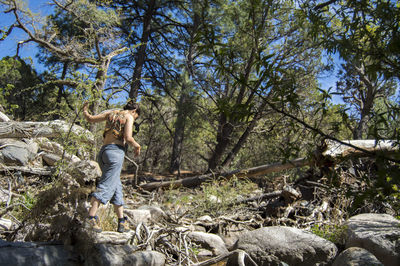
[241, 256]
[136, 171]
[9, 192]
[6, 210]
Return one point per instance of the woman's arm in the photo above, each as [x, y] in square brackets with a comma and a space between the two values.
[93, 118]
[128, 135]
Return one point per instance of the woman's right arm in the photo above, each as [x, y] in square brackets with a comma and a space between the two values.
[93, 118]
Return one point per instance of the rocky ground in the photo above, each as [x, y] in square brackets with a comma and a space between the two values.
[276, 220]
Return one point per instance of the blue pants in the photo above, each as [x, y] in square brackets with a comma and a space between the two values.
[109, 188]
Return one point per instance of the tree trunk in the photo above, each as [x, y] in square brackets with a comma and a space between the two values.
[354, 148]
[244, 136]
[141, 52]
[179, 133]
[250, 172]
[224, 133]
[184, 100]
[4, 117]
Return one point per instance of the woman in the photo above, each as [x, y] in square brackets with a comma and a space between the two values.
[117, 133]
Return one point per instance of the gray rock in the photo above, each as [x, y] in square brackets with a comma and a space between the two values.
[115, 255]
[109, 237]
[356, 256]
[377, 233]
[84, 171]
[16, 152]
[28, 253]
[137, 216]
[209, 241]
[279, 244]
[50, 158]
[157, 214]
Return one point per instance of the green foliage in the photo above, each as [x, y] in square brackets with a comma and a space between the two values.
[19, 94]
[333, 233]
[214, 198]
[26, 202]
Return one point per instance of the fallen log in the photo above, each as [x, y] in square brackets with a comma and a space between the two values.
[335, 149]
[4, 117]
[28, 170]
[249, 172]
[48, 129]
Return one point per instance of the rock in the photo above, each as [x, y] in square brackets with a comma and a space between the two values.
[16, 152]
[157, 214]
[209, 241]
[85, 171]
[205, 219]
[232, 234]
[50, 146]
[50, 158]
[28, 253]
[377, 233]
[115, 238]
[356, 256]
[278, 244]
[139, 216]
[106, 254]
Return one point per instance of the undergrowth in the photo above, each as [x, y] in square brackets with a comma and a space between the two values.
[333, 233]
[214, 198]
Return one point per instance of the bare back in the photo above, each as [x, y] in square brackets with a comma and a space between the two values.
[114, 131]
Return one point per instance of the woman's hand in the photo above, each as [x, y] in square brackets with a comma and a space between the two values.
[136, 149]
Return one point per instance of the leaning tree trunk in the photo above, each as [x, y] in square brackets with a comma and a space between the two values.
[249, 172]
[332, 152]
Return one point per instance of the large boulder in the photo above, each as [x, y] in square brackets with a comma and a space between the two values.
[115, 255]
[377, 233]
[356, 256]
[28, 253]
[17, 152]
[279, 244]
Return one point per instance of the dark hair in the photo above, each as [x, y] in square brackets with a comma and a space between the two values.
[132, 106]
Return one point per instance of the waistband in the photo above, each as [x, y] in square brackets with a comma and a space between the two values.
[112, 145]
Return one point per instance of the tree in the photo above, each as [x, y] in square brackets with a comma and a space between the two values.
[260, 55]
[361, 91]
[78, 32]
[363, 33]
[345, 23]
[19, 90]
